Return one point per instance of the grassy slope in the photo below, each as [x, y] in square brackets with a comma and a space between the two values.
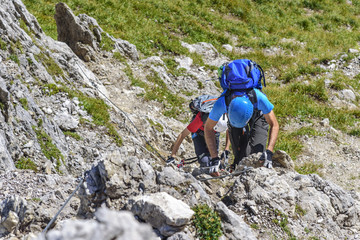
[319, 29]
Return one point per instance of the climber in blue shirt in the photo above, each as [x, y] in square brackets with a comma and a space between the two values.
[250, 115]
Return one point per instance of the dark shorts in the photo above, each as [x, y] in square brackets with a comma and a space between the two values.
[201, 149]
[249, 141]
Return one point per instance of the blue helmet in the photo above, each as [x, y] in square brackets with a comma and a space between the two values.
[240, 112]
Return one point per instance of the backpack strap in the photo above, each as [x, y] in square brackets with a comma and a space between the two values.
[262, 73]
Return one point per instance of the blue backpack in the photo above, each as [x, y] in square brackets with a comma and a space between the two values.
[241, 74]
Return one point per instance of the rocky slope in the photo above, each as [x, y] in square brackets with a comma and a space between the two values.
[47, 90]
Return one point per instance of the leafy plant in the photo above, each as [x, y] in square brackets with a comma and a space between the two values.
[15, 58]
[299, 210]
[24, 103]
[72, 134]
[207, 222]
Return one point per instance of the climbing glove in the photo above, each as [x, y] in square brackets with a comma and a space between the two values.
[225, 155]
[170, 160]
[267, 158]
[214, 165]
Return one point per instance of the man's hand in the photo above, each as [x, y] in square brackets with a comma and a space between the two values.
[225, 155]
[170, 160]
[267, 158]
[214, 165]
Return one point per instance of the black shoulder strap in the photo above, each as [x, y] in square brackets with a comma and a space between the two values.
[204, 117]
[250, 93]
[252, 96]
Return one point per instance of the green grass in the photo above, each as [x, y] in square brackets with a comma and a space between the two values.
[309, 168]
[48, 148]
[72, 134]
[24, 103]
[26, 163]
[51, 66]
[320, 28]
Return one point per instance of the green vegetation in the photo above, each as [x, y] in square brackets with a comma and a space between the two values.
[156, 125]
[207, 222]
[72, 134]
[15, 58]
[254, 226]
[299, 210]
[289, 142]
[48, 147]
[51, 66]
[106, 43]
[24, 103]
[282, 223]
[307, 29]
[2, 44]
[25, 163]
[172, 65]
[309, 168]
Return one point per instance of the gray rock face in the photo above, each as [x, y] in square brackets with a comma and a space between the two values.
[84, 36]
[163, 212]
[233, 225]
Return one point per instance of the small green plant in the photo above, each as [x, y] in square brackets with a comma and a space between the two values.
[207, 222]
[25, 163]
[15, 58]
[200, 85]
[51, 66]
[119, 57]
[172, 66]
[35, 199]
[355, 132]
[282, 223]
[299, 210]
[254, 226]
[157, 126]
[114, 134]
[24, 103]
[2, 44]
[309, 168]
[72, 134]
[48, 148]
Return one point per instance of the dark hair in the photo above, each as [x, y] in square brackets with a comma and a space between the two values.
[192, 108]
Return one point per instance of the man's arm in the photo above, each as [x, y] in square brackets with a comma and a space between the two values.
[210, 137]
[274, 129]
[179, 140]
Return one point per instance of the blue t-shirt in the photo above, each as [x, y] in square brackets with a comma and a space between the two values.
[263, 104]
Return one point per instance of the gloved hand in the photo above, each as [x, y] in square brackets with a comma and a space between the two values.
[267, 158]
[170, 160]
[225, 155]
[214, 165]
